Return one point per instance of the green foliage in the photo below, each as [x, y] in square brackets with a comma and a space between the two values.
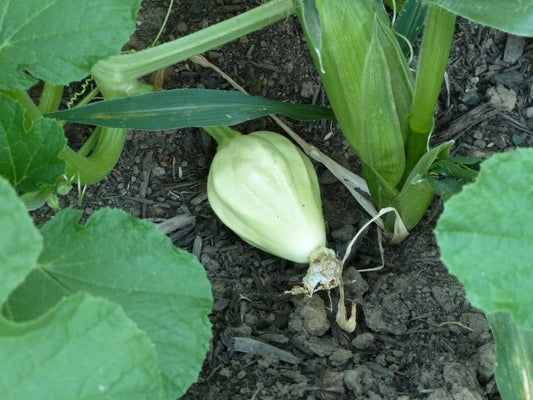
[20, 245]
[448, 176]
[486, 239]
[410, 22]
[513, 16]
[181, 108]
[487, 228]
[109, 309]
[84, 348]
[58, 41]
[29, 159]
[145, 301]
[370, 87]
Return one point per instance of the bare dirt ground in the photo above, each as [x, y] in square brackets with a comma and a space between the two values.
[417, 336]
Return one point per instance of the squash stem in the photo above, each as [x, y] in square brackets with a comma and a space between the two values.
[50, 98]
[222, 134]
[117, 76]
[95, 167]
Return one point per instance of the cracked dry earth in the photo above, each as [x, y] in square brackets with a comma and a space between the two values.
[417, 336]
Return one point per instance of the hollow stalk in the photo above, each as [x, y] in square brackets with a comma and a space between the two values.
[50, 98]
[117, 76]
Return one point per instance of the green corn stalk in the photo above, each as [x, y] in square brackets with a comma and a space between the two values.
[368, 87]
[368, 83]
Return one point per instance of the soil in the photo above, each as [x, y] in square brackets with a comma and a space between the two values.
[417, 336]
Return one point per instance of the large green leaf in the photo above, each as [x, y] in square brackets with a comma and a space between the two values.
[513, 16]
[182, 108]
[58, 41]
[129, 261]
[29, 159]
[486, 236]
[84, 348]
[20, 241]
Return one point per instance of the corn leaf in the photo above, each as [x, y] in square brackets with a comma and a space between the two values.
[346, 31]
[308, 14]
[380, 140]
[409, 23]
[401, 78]
[514, 356]
[417, 191]
[182, 108]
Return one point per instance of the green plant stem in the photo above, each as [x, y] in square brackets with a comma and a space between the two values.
[117, 76]
[434, 55]
[169, 9]
[50, 98]
[96, 166]
[222, 134]
[32, 113]
[88, 146]
[34, 200]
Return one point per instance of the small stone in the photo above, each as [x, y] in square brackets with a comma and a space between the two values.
[456, 374]
[309, 316]
[480, 330]
[514, 47]
[389, 314]
[354, 284]
[340, 357]
[363, 341]
[322, 347]
[359, 380]
[308, 89]
[529, 113]
[484, 362]
[501, 97]
[471, 98]
[480, 144]
[158, 172]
